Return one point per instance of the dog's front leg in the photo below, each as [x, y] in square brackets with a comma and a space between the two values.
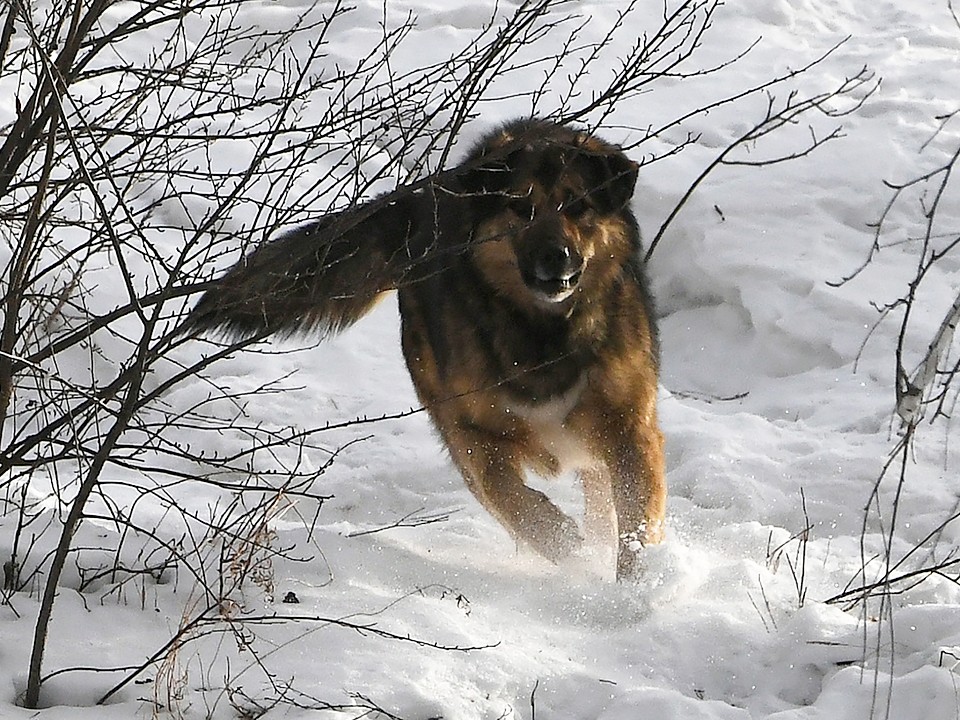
[636, 471]
[491, 467]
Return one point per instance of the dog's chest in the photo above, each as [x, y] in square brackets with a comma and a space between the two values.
[549, 421]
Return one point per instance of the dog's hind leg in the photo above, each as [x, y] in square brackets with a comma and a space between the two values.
[599, 516]
[492, 470]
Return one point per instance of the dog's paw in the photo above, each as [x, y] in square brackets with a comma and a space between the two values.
[569, 539]
[628, 562]
[559, 539]
[631, 547]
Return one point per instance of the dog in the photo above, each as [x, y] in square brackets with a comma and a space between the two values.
[527, 325]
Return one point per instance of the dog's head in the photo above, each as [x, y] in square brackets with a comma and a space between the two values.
[549, 209]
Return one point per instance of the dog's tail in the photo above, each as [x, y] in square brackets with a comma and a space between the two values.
[320, 277]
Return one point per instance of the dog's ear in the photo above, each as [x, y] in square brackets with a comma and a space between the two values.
[488, 175]
[611, 178]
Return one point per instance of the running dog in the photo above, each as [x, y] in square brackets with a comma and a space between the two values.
[527, 326]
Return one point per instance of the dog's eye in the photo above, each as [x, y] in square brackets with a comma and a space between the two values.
[574, 208]
[522, 208]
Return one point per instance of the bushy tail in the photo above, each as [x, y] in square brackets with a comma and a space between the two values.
[321, 277]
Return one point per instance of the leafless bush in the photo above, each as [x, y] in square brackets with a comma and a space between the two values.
[925, 394]
[152, 142]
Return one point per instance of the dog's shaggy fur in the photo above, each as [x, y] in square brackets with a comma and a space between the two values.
[527, 325]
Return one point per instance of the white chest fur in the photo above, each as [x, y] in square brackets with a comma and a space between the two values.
[549, 422]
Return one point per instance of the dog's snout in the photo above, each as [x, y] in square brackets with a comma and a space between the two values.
[557, 262]
[553, 268]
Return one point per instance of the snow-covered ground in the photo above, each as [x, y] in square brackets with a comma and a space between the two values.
[777, 416]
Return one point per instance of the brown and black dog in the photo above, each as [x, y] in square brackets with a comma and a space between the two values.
[527, 325]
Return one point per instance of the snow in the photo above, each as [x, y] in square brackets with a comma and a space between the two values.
[776, 406]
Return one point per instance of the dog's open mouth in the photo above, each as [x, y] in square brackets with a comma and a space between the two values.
[554, 289]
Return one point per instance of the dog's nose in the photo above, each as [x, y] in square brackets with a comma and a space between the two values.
[557, 262]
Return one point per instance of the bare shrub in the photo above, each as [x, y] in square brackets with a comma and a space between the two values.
[126, 184]
[926, 393]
